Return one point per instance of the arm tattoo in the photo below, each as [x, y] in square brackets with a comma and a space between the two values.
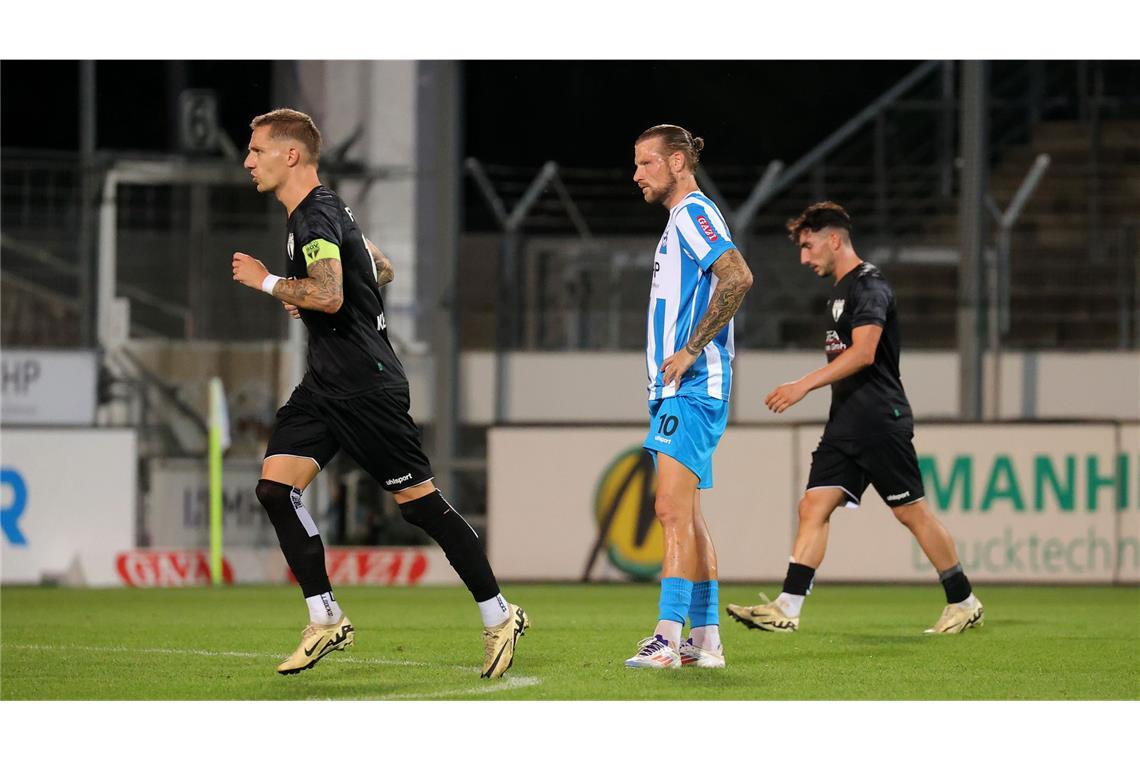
[734, 279]
[385, 273]
[322, 290]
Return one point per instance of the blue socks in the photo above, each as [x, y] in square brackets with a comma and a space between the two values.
[676, 596]
[704, 608]
[682, 598]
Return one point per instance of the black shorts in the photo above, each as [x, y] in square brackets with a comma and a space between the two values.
[887, 461]
[376, 430]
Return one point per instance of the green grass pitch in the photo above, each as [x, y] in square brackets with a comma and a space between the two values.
[856, 643]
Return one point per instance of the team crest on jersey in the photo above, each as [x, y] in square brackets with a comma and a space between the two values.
[289, 246]
[836, 308]
[707, 228]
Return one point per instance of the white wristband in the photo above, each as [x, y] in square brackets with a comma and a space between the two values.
[268, 283]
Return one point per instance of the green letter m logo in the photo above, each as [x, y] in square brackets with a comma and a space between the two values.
[961, 472]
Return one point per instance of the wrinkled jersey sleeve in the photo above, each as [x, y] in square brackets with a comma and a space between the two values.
[872, 297]
[703, 234]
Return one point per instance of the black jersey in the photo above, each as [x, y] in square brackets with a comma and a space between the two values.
[349, 351]
[872, 400]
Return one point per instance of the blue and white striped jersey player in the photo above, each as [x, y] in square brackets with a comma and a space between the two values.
[699, 280]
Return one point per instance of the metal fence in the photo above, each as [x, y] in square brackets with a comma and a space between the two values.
[572, 243]
[569, 257]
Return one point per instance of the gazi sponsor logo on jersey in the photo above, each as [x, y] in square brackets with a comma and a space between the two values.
[707, 229]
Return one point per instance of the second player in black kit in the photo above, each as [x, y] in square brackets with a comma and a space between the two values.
[869, 429]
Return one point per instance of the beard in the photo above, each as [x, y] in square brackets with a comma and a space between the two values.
[659, 196]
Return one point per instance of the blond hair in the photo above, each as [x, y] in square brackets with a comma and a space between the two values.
[676, 139]
[294, 125]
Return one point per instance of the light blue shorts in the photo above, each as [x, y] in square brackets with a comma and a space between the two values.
[687, 428]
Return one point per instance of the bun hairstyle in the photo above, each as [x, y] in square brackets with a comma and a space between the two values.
[675, 139]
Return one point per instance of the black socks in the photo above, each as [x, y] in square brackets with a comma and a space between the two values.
[798, 580]
[297, 533]
[458, 540]
[956, 584]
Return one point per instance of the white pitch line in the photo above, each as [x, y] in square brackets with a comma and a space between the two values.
[508, 683]
[211, 653]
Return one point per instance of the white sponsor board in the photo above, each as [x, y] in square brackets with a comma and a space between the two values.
[1048, 503]
[179, 504]
[68, 501]
[551, 489]
[1036, 503]
[47, 387]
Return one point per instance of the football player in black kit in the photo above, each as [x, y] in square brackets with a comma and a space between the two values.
[354, 395]
[868, 435]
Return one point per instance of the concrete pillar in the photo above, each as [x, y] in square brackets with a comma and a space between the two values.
[373, 105]
[971, 236]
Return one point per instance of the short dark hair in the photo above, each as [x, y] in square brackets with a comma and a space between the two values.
[285, 122]
[818, 216]
[676, 139]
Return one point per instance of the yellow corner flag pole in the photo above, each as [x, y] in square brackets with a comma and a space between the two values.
[219, 442]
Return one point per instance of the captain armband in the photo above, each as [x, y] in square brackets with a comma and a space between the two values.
[320, 249]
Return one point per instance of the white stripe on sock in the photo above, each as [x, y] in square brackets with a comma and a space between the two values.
[303, 514]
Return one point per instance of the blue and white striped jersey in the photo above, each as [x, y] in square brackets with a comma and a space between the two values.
[683, 284]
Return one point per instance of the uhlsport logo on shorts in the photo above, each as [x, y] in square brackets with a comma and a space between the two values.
[627, 523]
[397, 481]
[707, 228]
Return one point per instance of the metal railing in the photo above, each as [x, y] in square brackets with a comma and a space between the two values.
[894, 166]
[575, 252]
